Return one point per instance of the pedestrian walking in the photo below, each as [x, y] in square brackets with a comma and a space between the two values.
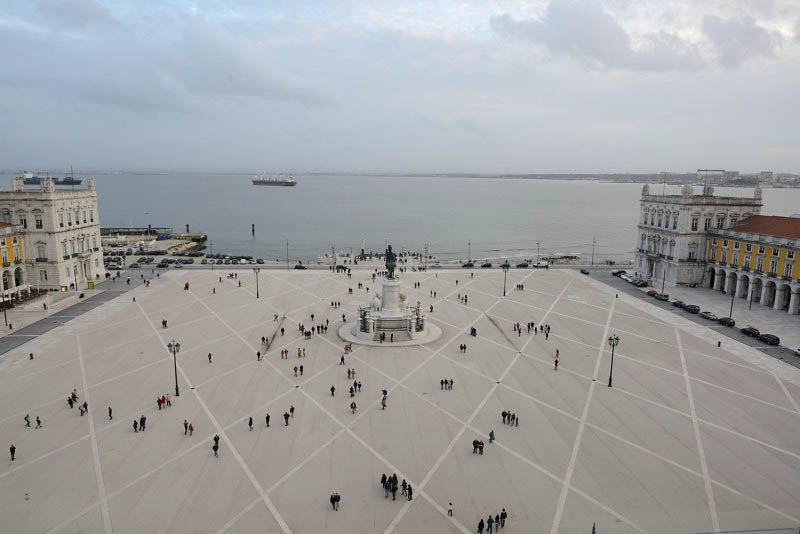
[250, 424]
[38, 422]
[410, 492]
[333, 390]
[301, 370]
[266, 420]
[110, 417]
[503, 516]
[286, 418]
[491, 436]
[480, 526]
[291, 410]
[215, 448]
[556, 364]
[135, 426]
[333, 501]
[383, 403]
[27, 420]
[142, 423]
[191, 429]
[489, 524]
[185, 427]
[158, 401]
[13, 450]
[209, 357]
[169, 400]
[353, 407]
[295, 370]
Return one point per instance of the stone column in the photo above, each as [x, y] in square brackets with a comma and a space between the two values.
[730, 283]
[750, 288]
[740, 286]
[794, 302]
[719, 281]
[764, 293]
[778, 304]
[707, 282]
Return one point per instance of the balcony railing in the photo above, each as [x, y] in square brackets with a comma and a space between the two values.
[746, 269]
[41, 260]
[6, 263]
[772, 274]
[73, 255]
[691, 260]
[787, 278]
[758, 271]
[66, 257]
[670, 258]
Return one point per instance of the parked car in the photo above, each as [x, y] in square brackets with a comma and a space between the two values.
[541, 265]
[661, 296]
[505, 265]
[162, 266]
[640, 283]
[626, 277]
[584, 271]
[436, 265]
[797, 352]
[652, 292]
[468, 265]
[708, 315]
[678, 303]
[691, 308]
[300, 267]
[259, 261]
[135, 266]
[203, 262]
[769, 339]
[486, 265]
[523, 265]
[618, 272]
[727, 321]
[750, 331]
[114, 266]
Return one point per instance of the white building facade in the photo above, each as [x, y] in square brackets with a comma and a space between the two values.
[673, 232]
[60, 233]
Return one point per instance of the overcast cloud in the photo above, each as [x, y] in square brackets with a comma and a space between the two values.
[528, 86]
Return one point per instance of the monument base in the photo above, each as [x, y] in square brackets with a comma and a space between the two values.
[349, 333]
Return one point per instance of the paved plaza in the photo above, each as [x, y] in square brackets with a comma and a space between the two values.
[691, 437]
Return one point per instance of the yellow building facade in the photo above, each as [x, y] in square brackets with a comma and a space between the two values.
[13, 270]
[759, 259]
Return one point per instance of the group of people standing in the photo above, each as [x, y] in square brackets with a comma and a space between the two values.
[446, 384]
[390, 485]
[510, 418]
[493, 524]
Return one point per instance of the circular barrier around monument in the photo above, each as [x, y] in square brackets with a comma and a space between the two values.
[346, 332]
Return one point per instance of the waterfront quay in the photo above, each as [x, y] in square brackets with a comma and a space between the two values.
[691, 437]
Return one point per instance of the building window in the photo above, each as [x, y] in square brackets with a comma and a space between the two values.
[749, 247]
[69, 219]
[736, 245]
[724, 255]
[6, 217]
[789, 254]
[72, 246]
[746, 262]
[77, 217]
[41, 251]
[652, 219]
[91, 216]
[66, 271]
[787, 271]
[82, 246]
[23, 221]
[660, 217]
[695, 220]
[61, 220]
[84, 216]
[39, 223]
[721, 221]
[760, 264]
[16, 254]
[94, 242]
[63, 249]
[774, 251]
[5, 256]
[14, 240]
[96, 263]
[42, 275]
[692, 251]
[707, 223]
[724, 242]
[666, 220]
[675, 220]
[761, 249]
[735, 260]
[773, 266]
[714, 242]
[734, 220]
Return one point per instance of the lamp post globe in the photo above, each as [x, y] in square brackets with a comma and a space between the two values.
[613, 340]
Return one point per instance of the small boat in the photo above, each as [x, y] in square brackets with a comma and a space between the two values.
[278, 179]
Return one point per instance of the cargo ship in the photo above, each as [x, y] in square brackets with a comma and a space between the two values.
[279, 179]
[28, 178]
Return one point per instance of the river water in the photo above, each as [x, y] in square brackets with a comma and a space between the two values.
[498, 217]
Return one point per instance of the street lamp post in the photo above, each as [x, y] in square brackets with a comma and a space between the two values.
[175, 347]
[256, 270]
[613, 341]
[213, 261]
[505, 273]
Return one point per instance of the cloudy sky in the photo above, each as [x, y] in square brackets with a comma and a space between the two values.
[479, 86]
